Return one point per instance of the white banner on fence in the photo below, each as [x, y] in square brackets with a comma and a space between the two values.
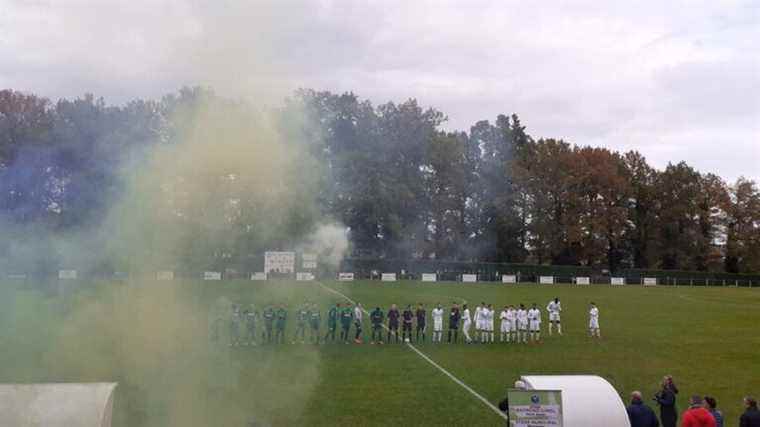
[212, 275]
[469, 278]
[508, 278]
[582, 281]
[303, 276]
[650, 281]
[546, 280]
[165, 275]
[388, 277]
[309, 261]
[346, 277]
[279, 262]
[259, 275]
[617, 281]
[67, 274]
[429, 277]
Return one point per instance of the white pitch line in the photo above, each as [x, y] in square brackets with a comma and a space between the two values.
[429, 360]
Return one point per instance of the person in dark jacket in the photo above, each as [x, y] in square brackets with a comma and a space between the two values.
[671, 384]
[751, 416]
[667, 401]
[640, 414]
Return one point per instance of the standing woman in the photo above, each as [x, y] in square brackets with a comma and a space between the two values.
[667, 401]
[671, 384]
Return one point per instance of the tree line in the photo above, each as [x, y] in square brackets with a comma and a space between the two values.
[403, 187]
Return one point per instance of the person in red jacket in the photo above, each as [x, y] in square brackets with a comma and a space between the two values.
[697, 415]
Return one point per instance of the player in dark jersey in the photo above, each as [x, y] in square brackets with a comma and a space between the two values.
[235, 321]
[281, 317]
[268, 315]
[346, 315]
[376, 317]
[393, 316]
[250, 324]
[302, 316]
[406, 327]
[421, 315]
[454, 317]
[332, 322]
[315, 318]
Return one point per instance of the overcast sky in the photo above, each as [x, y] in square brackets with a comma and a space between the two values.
[674, 80]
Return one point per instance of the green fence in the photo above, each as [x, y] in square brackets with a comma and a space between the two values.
[486, 271]
[413, 269]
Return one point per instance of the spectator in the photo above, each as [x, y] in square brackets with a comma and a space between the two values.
[697, 415]
[667, 401]
[671, 384]
[712, 407]
[640, 414]
[751, 416]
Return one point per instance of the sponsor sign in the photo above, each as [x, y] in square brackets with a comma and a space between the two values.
[469, 278]
[617, 281]
[212, 275]
[279, 262]
[388, 277]
[582, 281]
[650, 281]
[259, 275]
[67, 274]
[429, 277]
[535, 408]
[309, 261]
[303, 276]
[508, 278]
[546, 280]
[345, 277]
[165, 275]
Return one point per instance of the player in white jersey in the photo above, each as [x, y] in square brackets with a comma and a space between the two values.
[522, 324]
[504, 325]
[358, 317]
[593, 321]
[554, 308]
[511, 323]
[534, 317]
[466, 323]
[489, 321]
[437, 323]
[478, 322]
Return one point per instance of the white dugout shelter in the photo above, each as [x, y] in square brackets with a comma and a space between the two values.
[587, 400]
[56, 405]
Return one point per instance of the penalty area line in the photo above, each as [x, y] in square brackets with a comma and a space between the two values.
[429, 360]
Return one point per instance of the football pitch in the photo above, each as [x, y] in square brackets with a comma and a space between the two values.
[153, 338]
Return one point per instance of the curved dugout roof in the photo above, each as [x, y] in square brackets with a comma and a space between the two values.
[587, 400]
[57, 404]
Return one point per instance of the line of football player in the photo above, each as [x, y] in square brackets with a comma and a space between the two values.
[345, 323]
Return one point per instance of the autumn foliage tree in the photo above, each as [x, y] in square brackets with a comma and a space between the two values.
[403, 186]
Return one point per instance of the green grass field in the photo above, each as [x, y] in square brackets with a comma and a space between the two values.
[152, 338]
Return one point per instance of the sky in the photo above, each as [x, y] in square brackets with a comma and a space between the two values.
[673, 80]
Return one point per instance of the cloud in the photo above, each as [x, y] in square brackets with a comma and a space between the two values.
[622, 75]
